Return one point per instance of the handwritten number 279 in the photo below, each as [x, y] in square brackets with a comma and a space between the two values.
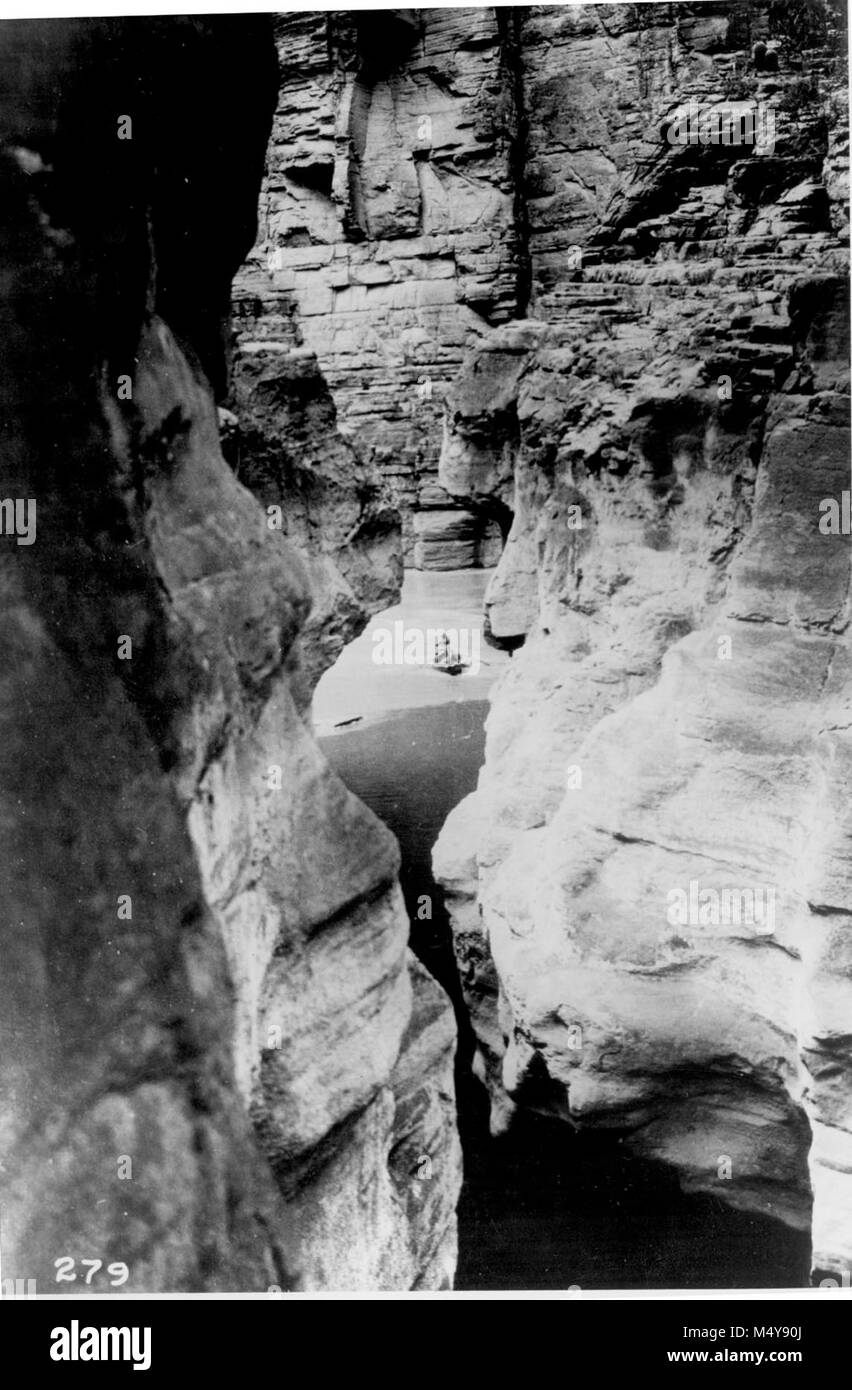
[118, 1273]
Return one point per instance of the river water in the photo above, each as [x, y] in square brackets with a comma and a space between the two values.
[542, 1207]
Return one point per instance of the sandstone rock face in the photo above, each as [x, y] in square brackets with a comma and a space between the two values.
[284, 446]
[434, 174]
[220, 1067]
[650, 889]
[390, 219]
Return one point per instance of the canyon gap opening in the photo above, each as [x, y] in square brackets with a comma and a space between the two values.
[410, 743]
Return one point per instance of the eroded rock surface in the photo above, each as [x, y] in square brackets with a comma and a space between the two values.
[391, 224]
[219, 1064]
[664, 429]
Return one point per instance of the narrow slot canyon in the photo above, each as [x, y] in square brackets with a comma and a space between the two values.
[427, 680]
[541, 1206]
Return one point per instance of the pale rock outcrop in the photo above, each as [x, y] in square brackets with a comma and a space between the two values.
[674, 416]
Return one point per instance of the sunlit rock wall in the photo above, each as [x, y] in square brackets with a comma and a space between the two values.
[391, 225]
[650, 889]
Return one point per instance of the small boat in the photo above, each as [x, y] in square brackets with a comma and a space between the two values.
[447, 660]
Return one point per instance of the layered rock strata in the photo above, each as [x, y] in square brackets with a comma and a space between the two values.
[390, 220]
[650, 889]
[434, 174]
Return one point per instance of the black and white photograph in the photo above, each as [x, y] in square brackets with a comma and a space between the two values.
[425, 660]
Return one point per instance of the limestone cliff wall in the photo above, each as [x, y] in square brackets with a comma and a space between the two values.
[664, 427]
[638, 363]
[219, 1065]
[433, 174]
[390, 226]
